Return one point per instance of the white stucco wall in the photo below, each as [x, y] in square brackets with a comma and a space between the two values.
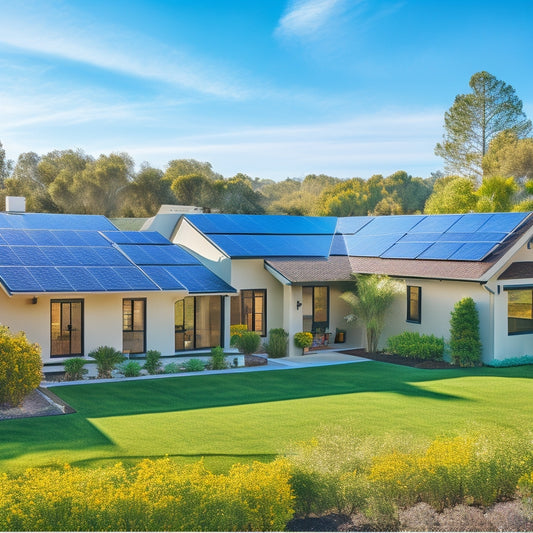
[438, 300]
[102, 319]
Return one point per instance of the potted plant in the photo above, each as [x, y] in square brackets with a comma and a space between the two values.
[303, 340]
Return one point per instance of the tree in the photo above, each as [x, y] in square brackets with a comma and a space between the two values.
[236, 195]
[6, 166]
[495, 195]
[184, 167]
[475, 119]
[369, 301]
[193, 189]
[465, 343]
[453, 194]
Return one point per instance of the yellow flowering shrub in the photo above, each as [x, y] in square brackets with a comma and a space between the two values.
[20, 367]
[237, 329]
[153, 496]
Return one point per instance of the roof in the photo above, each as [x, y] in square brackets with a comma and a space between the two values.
[306, 249]
[86, 253]
[518, 270]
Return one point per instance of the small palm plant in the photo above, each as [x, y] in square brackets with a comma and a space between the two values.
[107, 358]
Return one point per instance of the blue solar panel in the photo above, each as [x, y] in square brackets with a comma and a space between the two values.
[338, 246]
[14, 236]
[81, 279]
[435, 224]
[111, 256]
[92, 238]
[43, 237]
[69, 238]
[109, 279]
[406, 250]
[60, 255]
[472, 251]
[347, 225]
[199, 279]
[440, 250]
[163, 278]
[50, 279]
[503, 222]
[8, 256]
[476, 236]
[30, 255]
[55, 221]
[420, 237]
[370, 245]
[136, 279]
[390, 225]
[19, 279]
[469, 222]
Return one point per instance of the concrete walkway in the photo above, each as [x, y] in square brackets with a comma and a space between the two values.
[312, 359]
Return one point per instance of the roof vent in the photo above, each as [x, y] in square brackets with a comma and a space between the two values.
[15, 204]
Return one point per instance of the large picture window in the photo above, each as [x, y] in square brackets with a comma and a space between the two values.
[519, 310]
[66, 328]
[414, 304]
[134, 325]
[250, 308]
[198, 323]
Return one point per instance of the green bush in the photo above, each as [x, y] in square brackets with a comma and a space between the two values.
[412, 345]
[303, 339]
[218, 359]
[107, 358]
[278, 340]
[172, 368]
[247, 342]
[131, 369]
[194, 365]
[74, 368]
[20, 367]
[153, 361]
[465, 343]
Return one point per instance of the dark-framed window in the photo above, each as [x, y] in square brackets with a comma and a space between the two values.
[414, 304]
[66, 328]
[198, 322]
[316, 308]
[250, 308]
[519, 310]
[134, 325]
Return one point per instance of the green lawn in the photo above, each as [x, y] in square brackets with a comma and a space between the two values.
[230, 418]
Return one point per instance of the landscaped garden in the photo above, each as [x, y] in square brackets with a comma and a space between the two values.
[260, 416]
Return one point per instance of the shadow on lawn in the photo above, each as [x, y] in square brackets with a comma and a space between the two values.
[200, 392]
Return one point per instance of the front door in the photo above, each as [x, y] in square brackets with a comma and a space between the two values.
[66, 328]
[316, 311]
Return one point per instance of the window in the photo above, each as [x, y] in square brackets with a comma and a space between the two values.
[250, 308]
[414, 304]
[315, 309]
[519, 311]
[134, 325]
[66, 328]
[198, 322]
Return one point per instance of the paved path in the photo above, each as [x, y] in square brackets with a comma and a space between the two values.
[313, 359]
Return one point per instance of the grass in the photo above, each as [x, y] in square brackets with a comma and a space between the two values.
[230, 418]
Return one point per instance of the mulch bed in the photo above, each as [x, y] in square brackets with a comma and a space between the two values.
[40, 402]
[398, 360]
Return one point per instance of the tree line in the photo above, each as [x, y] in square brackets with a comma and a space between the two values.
[488, 167]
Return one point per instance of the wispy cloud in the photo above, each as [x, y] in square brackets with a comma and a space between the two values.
[305, 18]
[64, 33]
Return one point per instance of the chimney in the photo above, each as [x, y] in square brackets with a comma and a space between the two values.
[15, 204]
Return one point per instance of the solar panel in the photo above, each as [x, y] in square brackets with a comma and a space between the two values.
[52, 221]
[440, 250]
[405, 250]
[472, 251]
[111, 256]
[136, 279]
[352, 225]
[30, 255]
[476, 236]
[199, 279]
[469, 222]
[435, 224]
[338, 246]
[13, 236]
[503, 222]
[163, 277]
[109, 279]
[60, 255]
[19, 279]
[92, 238]
[390, 225]
[43, 237]
[50, 279]
[370, 245]
[69, 238]
[8, 256]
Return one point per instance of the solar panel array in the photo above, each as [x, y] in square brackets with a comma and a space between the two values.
[82, 253]
[468, 237]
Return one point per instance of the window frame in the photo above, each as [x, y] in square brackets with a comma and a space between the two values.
[254, 312]
[516, 288]
[133, 323]
[417, 317]
[69, 301]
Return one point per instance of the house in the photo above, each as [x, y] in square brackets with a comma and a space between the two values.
[290, 271]
[75, 282]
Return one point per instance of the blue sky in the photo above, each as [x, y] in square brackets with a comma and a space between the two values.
[270, 88]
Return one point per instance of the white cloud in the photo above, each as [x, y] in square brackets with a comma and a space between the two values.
[66, 34]
[307, 17]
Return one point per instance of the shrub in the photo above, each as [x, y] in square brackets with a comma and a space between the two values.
[153, 361]
[107, 358]
[465, 343]
[74, 368]
[412, 345]
[218, 359]
[152, 496]
[525, 488]
[131, 369]
[236, 330]
[172, 368]
[276, 346]
[512, 361]
[20, 367]
[247, 343]
[303, 339]
[194, 365]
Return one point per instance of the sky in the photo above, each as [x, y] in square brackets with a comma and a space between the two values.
[270, 88]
